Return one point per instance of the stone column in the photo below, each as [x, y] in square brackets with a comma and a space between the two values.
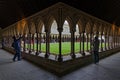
[87, 41]
[37, 44]
[83, 38]
[80, 41]
[47, 44]
[24, 39]
[33, 40]
[105, 41]
[101, 42]
[108, 41]
[40, 38]
[30, 43]
[60, 59]
[73, 43]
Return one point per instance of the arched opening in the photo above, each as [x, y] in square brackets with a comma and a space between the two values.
[66, 39]
[54, 45]
[77, 40]
[42, 45]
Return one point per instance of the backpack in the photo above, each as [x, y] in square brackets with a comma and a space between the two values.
[13, 44]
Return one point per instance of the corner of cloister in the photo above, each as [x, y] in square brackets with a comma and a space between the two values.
[61, 25]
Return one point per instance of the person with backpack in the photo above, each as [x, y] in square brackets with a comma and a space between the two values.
[96, 43]
[17, 47]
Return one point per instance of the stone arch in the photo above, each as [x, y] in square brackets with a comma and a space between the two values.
[15, 29]
[23, 25]
[80, 26]
[17, 25]
[105, 29]
[67, 24]
[71, 24]
[54, 27]
[95, 28]
[111, 31]
[32, 28]
[49, 22]
[26, 29]
[87, 29]
[119, 32]
[101, 28]
[39, 26]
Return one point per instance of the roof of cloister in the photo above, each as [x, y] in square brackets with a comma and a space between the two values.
[14, 10]
[71, 14]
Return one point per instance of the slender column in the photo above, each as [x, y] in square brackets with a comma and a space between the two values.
[112, 41]
[105, 42]
[60, 59]
[24, 48]
[116, 40]
[101, 42]
[72, 44]
[47, 44]
[108, 42]
[37, 44]
[87, 41]
[119, 39]
[91, 43]
[80, 41]
[83, 53]
[33, 42]
[30, 43]
[40, 38]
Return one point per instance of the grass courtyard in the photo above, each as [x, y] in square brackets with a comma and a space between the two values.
[66, 47]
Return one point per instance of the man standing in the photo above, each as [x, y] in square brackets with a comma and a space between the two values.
[96, 49]
[17, 48]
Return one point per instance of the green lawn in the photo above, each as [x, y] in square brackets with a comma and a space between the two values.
[66, 47]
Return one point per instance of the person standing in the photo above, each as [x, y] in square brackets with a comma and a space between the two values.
[96, 43]
[17, 48]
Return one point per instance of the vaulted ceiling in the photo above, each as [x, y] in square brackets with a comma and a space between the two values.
[12, 11]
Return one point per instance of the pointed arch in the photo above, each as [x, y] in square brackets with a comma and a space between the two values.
[66, 27]
[49, 22]
[54, 28]
[32, 28]
[40, 26]
[26, 29]
[80, 26]
[70, 23]
[87, 29]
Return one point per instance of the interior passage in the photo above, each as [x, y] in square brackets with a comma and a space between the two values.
[107, 69]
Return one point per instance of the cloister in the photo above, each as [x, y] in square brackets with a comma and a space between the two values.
[58, 24]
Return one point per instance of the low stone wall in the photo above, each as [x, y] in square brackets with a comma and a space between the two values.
[62, 68]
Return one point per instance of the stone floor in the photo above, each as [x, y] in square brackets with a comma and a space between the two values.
[107, 69]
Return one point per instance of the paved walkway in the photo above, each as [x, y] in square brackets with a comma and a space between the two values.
[107, 69]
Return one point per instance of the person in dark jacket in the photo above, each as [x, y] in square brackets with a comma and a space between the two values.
[96, 49]
[17, 48]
